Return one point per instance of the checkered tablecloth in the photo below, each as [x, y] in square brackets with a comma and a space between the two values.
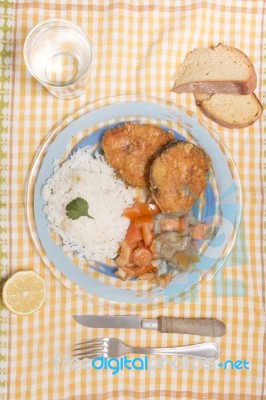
[136, 47]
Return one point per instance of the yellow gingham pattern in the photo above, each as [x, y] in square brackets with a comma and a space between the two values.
[136, 48]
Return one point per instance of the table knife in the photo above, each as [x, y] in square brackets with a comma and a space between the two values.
[195, 326]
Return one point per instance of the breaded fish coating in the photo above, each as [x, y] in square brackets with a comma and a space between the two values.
[130, 148]
[178, 176]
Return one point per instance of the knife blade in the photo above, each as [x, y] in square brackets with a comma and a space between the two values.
[193, 326]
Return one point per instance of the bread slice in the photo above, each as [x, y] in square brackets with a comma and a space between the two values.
[221, 69]
[230, 110]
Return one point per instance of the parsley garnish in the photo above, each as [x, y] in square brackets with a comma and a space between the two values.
[77, 208]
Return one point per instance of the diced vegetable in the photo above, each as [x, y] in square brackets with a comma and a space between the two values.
[147, 233]
[199, 231]
[162, 268]
[141, 257]
[132, 213]
[163, 280]
[170, 225]
[192, 251]
[122, 274]
[147, 276]
[140, 209]
[148, 209]
[192, 220]
[134, 234]
[157, 240]
[138, 270]
[125, 254]
[179, 242]
[182, 223]
[181, 260]
[143, 220]
[135, 257]
[175, 224]
[154, 248]
[168, 250]
[161, 226]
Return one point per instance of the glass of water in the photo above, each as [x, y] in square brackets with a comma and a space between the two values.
[58, 54]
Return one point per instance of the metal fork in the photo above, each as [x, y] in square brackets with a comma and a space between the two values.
[111, 347]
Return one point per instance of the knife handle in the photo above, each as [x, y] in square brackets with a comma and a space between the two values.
[197, 326]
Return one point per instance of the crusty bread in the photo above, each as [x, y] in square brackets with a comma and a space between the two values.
[230, 110]
[221, 69]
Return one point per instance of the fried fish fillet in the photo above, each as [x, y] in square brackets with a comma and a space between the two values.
[178, 176]
[130, 148]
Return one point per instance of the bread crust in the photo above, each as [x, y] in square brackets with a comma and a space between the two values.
[245, 86]
[203, 105]
[232, 87]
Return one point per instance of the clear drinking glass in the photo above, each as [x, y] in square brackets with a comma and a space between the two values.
[58, 54]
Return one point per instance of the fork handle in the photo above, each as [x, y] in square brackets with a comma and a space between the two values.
[196, 326]
[207, 351]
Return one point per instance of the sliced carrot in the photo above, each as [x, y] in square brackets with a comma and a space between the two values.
[140, 209]
[147, 209]
[147, 232]
[199, 232]
[132, 212]
[144, 220]
[141, 257]
[134, 234]
[139, 238]
[140, 244]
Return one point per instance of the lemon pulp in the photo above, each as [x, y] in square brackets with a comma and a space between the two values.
[24, 293]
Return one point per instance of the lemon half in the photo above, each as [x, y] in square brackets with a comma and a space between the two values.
[24, 293]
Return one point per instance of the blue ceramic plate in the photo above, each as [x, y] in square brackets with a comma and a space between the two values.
[220, 205]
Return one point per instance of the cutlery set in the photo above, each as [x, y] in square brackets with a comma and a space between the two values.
[112, 347]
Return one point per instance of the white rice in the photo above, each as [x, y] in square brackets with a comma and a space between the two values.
[95, 181]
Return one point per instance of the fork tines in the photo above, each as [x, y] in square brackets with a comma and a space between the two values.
[91, 348]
